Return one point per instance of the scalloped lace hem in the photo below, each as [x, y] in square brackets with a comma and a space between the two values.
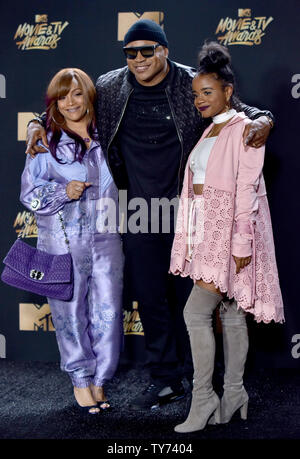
[240, 299]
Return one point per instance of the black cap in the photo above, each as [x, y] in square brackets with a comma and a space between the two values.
[145, 29]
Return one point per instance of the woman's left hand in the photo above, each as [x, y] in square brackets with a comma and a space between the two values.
[256, 133]
[241, 262]
[75, 188]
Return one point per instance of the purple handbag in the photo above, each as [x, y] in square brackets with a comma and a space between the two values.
[31, 269]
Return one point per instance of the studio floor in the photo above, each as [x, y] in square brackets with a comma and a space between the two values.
[36, 402]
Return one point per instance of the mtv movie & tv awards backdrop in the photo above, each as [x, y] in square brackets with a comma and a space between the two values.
[38, 39]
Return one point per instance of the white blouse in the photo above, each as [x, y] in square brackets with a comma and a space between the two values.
[199, 159]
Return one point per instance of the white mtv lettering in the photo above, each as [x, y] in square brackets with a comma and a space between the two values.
[296, 348]
[296, 89]
[2, 87]
[2, 347]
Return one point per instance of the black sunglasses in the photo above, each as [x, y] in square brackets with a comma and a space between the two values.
[146, 51]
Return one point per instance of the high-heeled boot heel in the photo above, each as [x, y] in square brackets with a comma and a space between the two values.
[231, 402]
[215, 417]
[244, 411]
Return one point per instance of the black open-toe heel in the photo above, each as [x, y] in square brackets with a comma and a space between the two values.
[86, 409]
[104, 405]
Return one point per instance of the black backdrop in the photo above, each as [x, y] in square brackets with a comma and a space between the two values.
[263, 38]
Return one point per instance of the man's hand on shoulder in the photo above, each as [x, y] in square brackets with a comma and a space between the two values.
[35, 132]
[257, 132]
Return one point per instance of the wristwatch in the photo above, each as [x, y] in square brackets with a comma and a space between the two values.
[38, 119]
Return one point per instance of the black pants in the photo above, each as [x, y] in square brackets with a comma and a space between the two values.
[161, 298]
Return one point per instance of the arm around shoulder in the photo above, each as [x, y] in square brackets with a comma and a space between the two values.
[253, 113]
[36, 131]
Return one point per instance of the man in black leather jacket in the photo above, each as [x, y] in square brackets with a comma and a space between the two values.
[148, 125]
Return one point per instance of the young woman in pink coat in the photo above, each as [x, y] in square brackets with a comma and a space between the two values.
[224, 242]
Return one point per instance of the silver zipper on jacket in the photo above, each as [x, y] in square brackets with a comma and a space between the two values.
[117, 128]
[180, 139]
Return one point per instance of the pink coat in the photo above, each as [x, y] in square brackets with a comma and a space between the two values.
[236, 221]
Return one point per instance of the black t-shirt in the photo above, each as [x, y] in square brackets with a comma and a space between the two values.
[149, 143]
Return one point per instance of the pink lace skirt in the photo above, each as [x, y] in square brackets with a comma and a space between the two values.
[206, 254]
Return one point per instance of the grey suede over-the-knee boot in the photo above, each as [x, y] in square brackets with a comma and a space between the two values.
[235, 346]
[198, 318]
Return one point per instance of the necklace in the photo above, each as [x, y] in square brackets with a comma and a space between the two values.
[218, 119]
[86, 139]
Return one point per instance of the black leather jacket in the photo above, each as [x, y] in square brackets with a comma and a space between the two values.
[114, 90]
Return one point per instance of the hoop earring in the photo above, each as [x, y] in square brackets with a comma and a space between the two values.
[57, 122]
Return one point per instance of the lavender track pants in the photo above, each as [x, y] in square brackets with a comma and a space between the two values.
[89, 328]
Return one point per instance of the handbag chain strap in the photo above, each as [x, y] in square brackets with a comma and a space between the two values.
[63, 227]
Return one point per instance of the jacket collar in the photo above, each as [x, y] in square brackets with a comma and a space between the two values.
[65, 139]
[238, 118]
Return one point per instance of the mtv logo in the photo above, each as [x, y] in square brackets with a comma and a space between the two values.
[41, 18]
[23, 119]
[126, 20]
[35, 317]
[2, 347]
[244, 12]
[2, 87]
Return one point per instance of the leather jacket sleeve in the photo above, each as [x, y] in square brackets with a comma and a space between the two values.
[254, 113]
